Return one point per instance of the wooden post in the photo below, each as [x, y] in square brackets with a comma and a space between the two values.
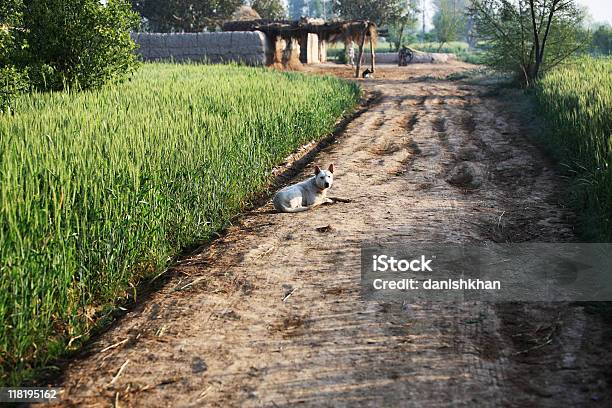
[372, 51]
[361, 44]
[304, 49]
[287, 52]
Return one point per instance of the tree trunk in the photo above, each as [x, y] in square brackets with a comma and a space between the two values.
[536, 44]
[400, 37]
[540, 46]
[543, 45]
[372, 53]
[361, 44]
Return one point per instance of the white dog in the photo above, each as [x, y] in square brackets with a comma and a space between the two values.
[307, 194]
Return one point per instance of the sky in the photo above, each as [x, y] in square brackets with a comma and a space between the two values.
[600, 11]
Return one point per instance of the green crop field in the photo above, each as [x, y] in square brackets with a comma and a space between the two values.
[100, 189]
[577, 102]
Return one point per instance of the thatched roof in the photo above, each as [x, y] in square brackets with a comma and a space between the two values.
[332, 31]
[245, 13]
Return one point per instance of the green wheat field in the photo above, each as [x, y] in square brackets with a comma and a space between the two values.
[99, 190]
[576, 100]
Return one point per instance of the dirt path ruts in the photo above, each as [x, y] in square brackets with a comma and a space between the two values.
[270, 314]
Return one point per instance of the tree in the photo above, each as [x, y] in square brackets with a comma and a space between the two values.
[380, 12]
[270, 9]
[449, 20]
[51, 44]
[245, 13]
[601, 42]
[12, 79]
[406, 20]
[10, 11]
[297, 9]
[78, 43]
[528, 37]
[316, 9]
[184, 15]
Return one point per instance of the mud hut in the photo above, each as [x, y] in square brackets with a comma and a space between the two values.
[293, 40]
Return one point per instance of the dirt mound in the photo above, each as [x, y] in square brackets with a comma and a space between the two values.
[466, 174]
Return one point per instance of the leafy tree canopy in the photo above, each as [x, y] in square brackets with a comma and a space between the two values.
[528, 37]
[449, 20]
[184, 15]
[380, 12]
[270, 9]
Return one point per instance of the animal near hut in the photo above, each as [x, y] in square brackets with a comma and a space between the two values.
[305, 41]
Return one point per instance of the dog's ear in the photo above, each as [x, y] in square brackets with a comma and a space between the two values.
[331, 168]
[317, 170]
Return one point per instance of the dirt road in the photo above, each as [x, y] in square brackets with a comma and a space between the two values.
[270, 314]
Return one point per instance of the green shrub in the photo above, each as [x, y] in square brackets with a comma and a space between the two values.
[601, 41]
[12, 82]
[54, 44]
[12, 79]
[76, 43]
[337, 55]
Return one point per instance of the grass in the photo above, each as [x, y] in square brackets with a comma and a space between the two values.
[576, 101]
[101, 189]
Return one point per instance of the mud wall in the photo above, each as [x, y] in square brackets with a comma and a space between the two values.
[286, 53]
[381, 57]
[418, 58]
[248, 47]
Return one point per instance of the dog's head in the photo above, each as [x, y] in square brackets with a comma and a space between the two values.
[324, 178]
